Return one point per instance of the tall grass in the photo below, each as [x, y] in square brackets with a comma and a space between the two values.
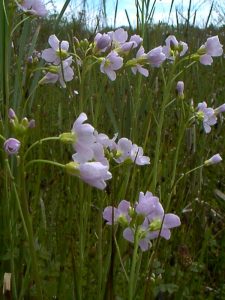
[54, 241]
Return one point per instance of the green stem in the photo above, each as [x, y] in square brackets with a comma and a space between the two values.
[44, 161]
[131, 284]
[28, 221]
[181, 134]
[179, 179]
[120, 258]
[54, 138]
[17, 197]
[2, 137]
[166, 96]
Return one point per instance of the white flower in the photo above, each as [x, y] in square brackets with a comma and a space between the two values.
[59, 73]
[57, 52]
[34, 7]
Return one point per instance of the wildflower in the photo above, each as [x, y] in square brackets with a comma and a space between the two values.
[34, 7]
[211, 48]
[32, 123]
[137, 39]
[207, 116]
[93, 173]
[57, 52]
[148, 203]
[105, 141]
[143, 235]
[215, 159]
[118, 36]
[140, 60]
[117, 215]
[174, 48]
[111, 63]
[219, 109]
[180, 89]
[137, 156]
[83, 139]
[126, 151]
[123, 150]
[102, 42]
[126, 47]
[59, 73]
[11, 146]
[156, 57]
[146, 221]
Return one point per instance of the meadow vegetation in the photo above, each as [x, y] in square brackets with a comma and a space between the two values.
[54, 237]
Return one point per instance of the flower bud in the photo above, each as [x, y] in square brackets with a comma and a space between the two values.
[11, 146]
[12, 114]
[31, 123]
[25, 122]
[180, 89]
[215, 159]
[76, 41]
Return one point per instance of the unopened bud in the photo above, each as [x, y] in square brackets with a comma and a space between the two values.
[215, 159]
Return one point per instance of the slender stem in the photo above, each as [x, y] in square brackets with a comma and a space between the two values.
[52, 138]
[179, 179]
[2, 137]
[28, 221]
[120, 258]
[181, 134]
[166, 96]
[17, 197]
[44, 161]
[133, 267]
[17, 25]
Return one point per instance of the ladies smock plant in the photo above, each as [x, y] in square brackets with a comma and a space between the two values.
[146, 220]
[110, 64]
[33, 7]
[208, 115]
[211, 48]
[91, 161]
[57, 52]
[12, 146]
[111, 50]
[62, 73]
[96, 159]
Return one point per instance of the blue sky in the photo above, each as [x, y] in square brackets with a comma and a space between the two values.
[161, 12]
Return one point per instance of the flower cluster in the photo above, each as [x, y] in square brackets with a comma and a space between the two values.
[208, 115]
[111, 49]
[211, 48]
[94, 150]
[174, 48]
[19, 128]
[33, 7]
[59, 62]
[145, 221]
[117, 46]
